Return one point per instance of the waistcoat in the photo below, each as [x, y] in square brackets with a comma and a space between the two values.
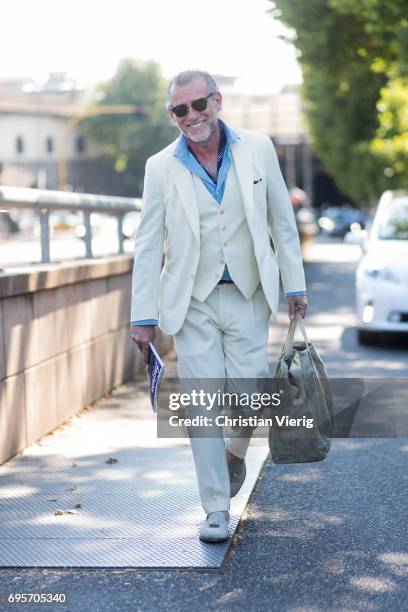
[224, 239]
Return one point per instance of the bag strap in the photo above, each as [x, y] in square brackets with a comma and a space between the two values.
[288, 346]
[297, 321]
[302, 328]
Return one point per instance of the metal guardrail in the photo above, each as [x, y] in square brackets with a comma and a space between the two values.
[45, 201]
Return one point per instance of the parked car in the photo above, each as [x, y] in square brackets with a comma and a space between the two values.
[382, 275]
[338, 220]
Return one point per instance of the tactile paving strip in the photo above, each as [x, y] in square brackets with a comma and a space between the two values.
[141, 511]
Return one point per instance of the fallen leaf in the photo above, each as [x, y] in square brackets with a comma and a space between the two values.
[111, 460]
[58, 512]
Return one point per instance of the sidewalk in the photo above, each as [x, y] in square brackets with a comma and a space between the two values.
[104, 491]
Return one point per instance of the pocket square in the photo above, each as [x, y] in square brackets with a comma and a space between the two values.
[257, 181]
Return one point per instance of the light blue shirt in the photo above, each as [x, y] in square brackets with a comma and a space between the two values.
[216, 188]
[185, 155]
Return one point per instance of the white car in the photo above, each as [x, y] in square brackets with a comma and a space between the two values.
[382, 275]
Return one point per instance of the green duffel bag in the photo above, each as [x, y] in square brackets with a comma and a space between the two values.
[301, 380]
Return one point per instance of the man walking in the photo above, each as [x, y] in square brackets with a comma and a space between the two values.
[215, 196]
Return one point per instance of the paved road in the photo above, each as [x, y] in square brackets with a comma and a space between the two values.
[330, 536]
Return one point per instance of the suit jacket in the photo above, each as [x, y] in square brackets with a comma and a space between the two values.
[170, 223]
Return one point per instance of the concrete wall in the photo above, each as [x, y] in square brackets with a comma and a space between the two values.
[64, 343]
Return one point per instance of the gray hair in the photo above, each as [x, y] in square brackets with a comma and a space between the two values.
[185, 77]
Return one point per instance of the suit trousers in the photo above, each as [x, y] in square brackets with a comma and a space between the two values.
[223, 339]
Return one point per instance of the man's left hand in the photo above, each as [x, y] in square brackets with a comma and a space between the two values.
[297, 304]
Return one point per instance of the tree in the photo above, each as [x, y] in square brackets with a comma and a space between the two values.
[387, 24]
[130, 139]
[353, 57]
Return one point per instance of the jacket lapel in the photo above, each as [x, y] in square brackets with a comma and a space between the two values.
[242, 158]
[186, 192]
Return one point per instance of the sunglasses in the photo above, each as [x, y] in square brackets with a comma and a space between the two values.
[181, 110]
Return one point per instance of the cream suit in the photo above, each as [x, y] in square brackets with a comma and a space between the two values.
[171, 214]
[220, 331]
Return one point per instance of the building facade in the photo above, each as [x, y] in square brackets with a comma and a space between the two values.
[42, 137]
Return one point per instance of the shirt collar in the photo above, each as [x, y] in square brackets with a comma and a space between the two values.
[182, 152]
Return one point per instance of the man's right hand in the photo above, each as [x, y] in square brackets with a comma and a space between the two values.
[142, 335]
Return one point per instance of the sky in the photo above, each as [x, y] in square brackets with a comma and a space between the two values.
[87, 38]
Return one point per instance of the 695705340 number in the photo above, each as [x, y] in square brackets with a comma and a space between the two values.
[22, 598]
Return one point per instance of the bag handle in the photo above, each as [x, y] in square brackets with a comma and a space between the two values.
[288, 346]
[297, 321]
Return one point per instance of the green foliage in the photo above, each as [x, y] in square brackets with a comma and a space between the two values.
[129, 139]
[354, 59]
[387, 24]
[390, 143]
